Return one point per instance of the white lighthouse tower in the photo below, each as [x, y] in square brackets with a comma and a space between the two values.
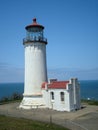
[35, 66]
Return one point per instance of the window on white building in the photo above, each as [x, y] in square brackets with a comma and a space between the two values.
[52, 95]
[62, 96]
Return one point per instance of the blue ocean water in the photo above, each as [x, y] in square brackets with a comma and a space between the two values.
[89, 89]
[7, 89]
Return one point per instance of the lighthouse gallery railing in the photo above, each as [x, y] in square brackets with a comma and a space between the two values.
[35, 39]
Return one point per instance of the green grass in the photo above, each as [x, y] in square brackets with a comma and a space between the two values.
[90, 102]
[9, 101]
[14, 98]
[11, 123]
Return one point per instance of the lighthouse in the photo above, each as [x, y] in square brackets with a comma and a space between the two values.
[38, 91]
[35, 66]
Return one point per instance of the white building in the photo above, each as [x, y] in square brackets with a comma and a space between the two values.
[62, 95]
[38, 92]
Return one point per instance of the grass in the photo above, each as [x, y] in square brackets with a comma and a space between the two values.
[12, 123]
[10, 101]
[90, 102]
[14, 98]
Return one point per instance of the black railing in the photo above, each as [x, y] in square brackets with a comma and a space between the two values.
[35, 39]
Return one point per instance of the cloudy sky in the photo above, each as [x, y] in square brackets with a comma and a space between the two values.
[71, 27]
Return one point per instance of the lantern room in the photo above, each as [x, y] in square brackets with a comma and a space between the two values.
[34, 33]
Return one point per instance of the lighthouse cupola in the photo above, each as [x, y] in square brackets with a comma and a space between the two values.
[34, 32]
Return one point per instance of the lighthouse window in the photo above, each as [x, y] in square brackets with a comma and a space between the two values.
[52, 95]
[62, 96]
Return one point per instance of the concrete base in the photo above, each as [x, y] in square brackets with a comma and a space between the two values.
[31, 102]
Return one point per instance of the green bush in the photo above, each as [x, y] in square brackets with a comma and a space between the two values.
[14, 97]
[90, 102]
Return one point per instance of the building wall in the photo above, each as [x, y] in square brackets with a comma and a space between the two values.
[71, 95]
[35, 67]
[76, 93]
[57, 104]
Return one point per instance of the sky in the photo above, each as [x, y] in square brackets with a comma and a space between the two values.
[71, 28]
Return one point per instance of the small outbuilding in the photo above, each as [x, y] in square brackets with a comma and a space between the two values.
[62, 95]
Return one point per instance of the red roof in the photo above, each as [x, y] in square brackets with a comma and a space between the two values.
[56, 85]
[34, 24]
[43, 84]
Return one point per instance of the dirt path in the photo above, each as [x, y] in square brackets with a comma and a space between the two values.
[84, 119]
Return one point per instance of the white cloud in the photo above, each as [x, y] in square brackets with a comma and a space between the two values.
[11, 74]
[67, 73]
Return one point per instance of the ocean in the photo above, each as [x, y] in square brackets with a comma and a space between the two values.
[89, 89]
